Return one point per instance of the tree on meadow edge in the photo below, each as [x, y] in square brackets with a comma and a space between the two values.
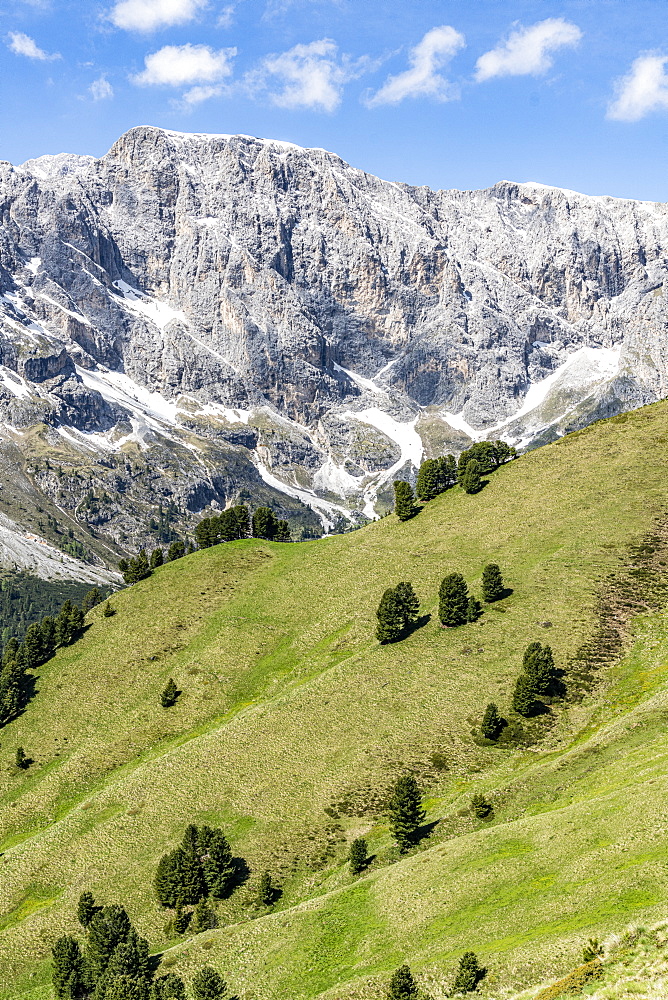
[470, 481]
[265, 890]
[492, 583]
[207, 984]
[67, 975]
[492, 723]
[265, 524]
[524, 696]
[453, 600]
[405, 811]
[469, 973]
[404, 500]
[86, 909]
[402, 985]
[176, 550]
[428, 480]
[539, 665]
[157, 558]
[358, 856]
[390, 617]
[408, 603]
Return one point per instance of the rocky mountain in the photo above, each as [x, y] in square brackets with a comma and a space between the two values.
[193, 320]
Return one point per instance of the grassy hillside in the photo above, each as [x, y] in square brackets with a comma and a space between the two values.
[294, 722]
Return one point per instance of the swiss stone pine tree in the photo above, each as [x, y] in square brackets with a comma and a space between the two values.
[453, 600]
[108, 610]
[408, 603]
[358, 856]
[402, 985]
[20, 759]
[404, 501]
[170, 694]
[108, 928]
[283, 532]
[447, 472]
[242, 517]
[469, 973]
[217, 863]
[524, 696]
[181, 918]
[472, 609]
[406, 812]
[91, 600]
[265, 524]
[491, 722]
[157, 558]
[86, 909]
[539, 665]
[176, 550]
[167, 881]
[203, 917]
[169, 987]
[428, 481]
[124, 988]
[265, 890]
[130, 958]
[207, 984]
[492, 583]
[67, 976]
[390, 617]
[470, 481]
[193, 886]
[480, 807]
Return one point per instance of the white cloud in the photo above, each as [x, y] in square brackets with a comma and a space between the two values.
[423, 79]
[24, 45]
[101, 89]
[203, 92]
[180, 65]
[643, 90]
[226, 16]
[310, 76]
[149, 15]
[526, 51]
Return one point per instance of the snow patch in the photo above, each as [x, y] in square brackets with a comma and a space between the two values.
[160, 314]
[34, 264]
[77, 316]
[16, 385]
[326, 511]
[335, 479]
[363, 383]
[404, 434]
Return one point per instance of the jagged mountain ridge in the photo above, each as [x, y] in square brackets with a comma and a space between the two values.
[220, 313]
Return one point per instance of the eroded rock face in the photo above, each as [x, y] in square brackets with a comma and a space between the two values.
[258, 276]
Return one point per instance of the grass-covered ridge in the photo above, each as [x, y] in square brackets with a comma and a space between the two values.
[293, 722]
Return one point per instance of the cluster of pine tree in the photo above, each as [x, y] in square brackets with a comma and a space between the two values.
[200, 867]
[139, 567]
[436, 475]
[403, 986]
[266, 525]
[397, 612]
[39, 644]
[114, 963]
[227, 526]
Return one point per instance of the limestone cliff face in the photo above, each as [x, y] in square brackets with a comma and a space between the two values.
[313, 317]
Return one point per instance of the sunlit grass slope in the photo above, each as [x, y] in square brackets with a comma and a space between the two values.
[290, 708]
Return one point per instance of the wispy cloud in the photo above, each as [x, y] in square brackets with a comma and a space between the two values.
[307, 76]
[527, 51]
[101, 89]
[24, 45]
[423, 78]
[150, 15]
[643, 90]
[180, 65]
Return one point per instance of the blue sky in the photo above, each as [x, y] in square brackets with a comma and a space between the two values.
[438, 92]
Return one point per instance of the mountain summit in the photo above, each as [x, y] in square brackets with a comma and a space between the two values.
[225, 312]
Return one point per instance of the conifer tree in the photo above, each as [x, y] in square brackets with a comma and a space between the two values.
[21, 759]
[193, 886]
[108, 610]
[108, 928]
[524, 696]
[86, 909]
[406, 812]
[447, 472]
[170, 694]
[404, 501]
[408, 603]
[228, 525]
[539, 665]
[390, 617]
[169, 987]
[91, 600]
[130, 958]
[453, 600]
[242, 516]
[203, 533]
[492, 583]
[203, 918]
[265, 524]
[48, 637]
[124, 988]
[469, 973]
[283, 532]
[491, 722]
[217, 863]
[157, 558]
[428, 481]
[359, 855]
[176, 550]
[67, 975]
[265, 890]
[181, 918]
[208, 985]
[167, 881]
[472, 609]
[470, 481]
[402, 985]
